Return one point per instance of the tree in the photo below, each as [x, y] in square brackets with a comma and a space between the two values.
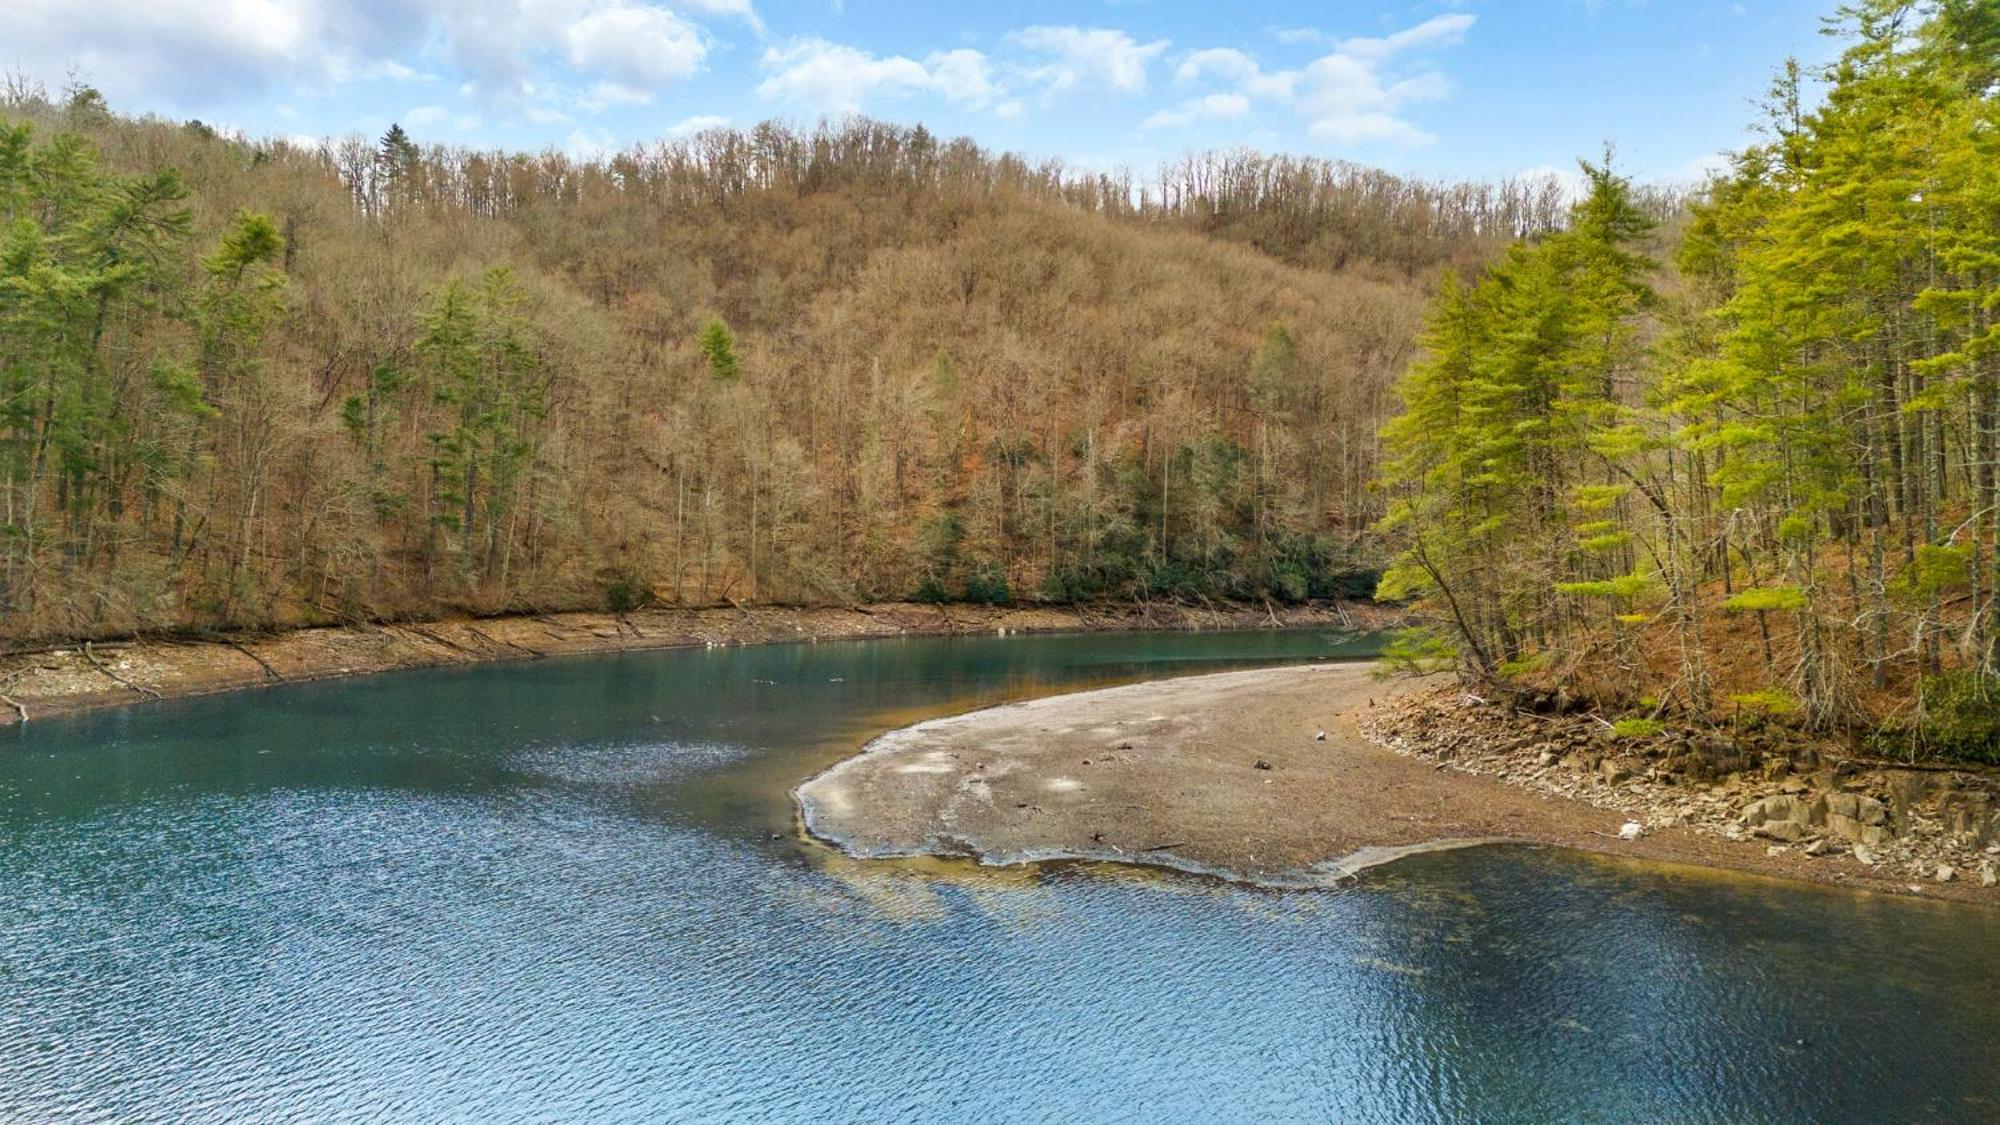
[718, 347]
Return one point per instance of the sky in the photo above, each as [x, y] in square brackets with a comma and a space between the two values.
[1439, 88]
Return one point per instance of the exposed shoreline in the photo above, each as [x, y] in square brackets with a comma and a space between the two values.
[1222, 775]
[81, 677]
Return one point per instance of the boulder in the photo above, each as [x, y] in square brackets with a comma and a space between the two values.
[1848, 828]
[1781, 808]
[1946, 873]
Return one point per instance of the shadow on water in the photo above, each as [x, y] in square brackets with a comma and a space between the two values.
[551, 891]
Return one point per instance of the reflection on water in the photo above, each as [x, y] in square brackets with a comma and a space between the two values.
[572, 890]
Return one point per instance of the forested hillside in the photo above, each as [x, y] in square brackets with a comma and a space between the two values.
[1748, 471]
[252, 384]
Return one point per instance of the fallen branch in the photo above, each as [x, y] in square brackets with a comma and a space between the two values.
[435, 639]
[500, 642]
[270, 673]
[142, 689]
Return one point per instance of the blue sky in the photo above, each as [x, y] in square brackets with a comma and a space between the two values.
[1474, 88]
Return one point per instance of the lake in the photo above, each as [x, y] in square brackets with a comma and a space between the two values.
[573, 889]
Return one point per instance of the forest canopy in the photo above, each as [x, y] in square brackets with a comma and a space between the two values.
[252, 384]
[1743, 467]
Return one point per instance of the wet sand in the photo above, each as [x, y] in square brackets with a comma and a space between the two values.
[1222, 775]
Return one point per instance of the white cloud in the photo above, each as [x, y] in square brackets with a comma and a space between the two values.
[835, 78]
[427, 115]
[198, 51]
[1701, 169]
[526, 56]
[1074, 57]
[1438, 31]
[589, 144]
[1570, 181]
[1213, 107]
[736, 9]
[700, 123]
[1299, 35]
[634, 50]
[1237, 67]
[1355, 93]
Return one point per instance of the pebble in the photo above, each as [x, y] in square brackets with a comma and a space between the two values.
[1564, 757]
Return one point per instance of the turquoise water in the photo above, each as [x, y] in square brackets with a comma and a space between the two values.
[571, 890]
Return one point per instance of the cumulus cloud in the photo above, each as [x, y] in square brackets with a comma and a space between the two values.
[1074, 57]
[636, 50]
[1239, 68]
[835, 78]
[522, 55]
[1357, 92]
[189, 51]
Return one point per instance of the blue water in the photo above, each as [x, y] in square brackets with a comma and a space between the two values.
[573, 890]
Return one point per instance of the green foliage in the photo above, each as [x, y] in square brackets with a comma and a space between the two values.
[1768, 701]
[986, 584]
[1961, 715]
[1936, 570]
[1492, 462]
[1766, 599]
[483, 366]
[1621, 586]
[1419, 650]
[1805, 415]
[624, 591]
[1637, 728]
[718, 347]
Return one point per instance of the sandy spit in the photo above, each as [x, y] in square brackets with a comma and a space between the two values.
[1224, 775]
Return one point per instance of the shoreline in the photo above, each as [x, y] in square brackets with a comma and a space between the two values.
[1223, 776]
[87, 676]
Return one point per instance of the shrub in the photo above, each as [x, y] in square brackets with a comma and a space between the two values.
[1961, 715]
[987, 584]
[625, 591]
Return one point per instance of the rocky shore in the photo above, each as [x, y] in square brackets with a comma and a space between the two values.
[1924, 828]
[82, 676]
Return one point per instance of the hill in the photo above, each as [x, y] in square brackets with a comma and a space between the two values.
[254, 384]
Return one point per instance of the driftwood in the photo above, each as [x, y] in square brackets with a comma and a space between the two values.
[270, 673]
[500, 643]
[435, 639]
[142, 689]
